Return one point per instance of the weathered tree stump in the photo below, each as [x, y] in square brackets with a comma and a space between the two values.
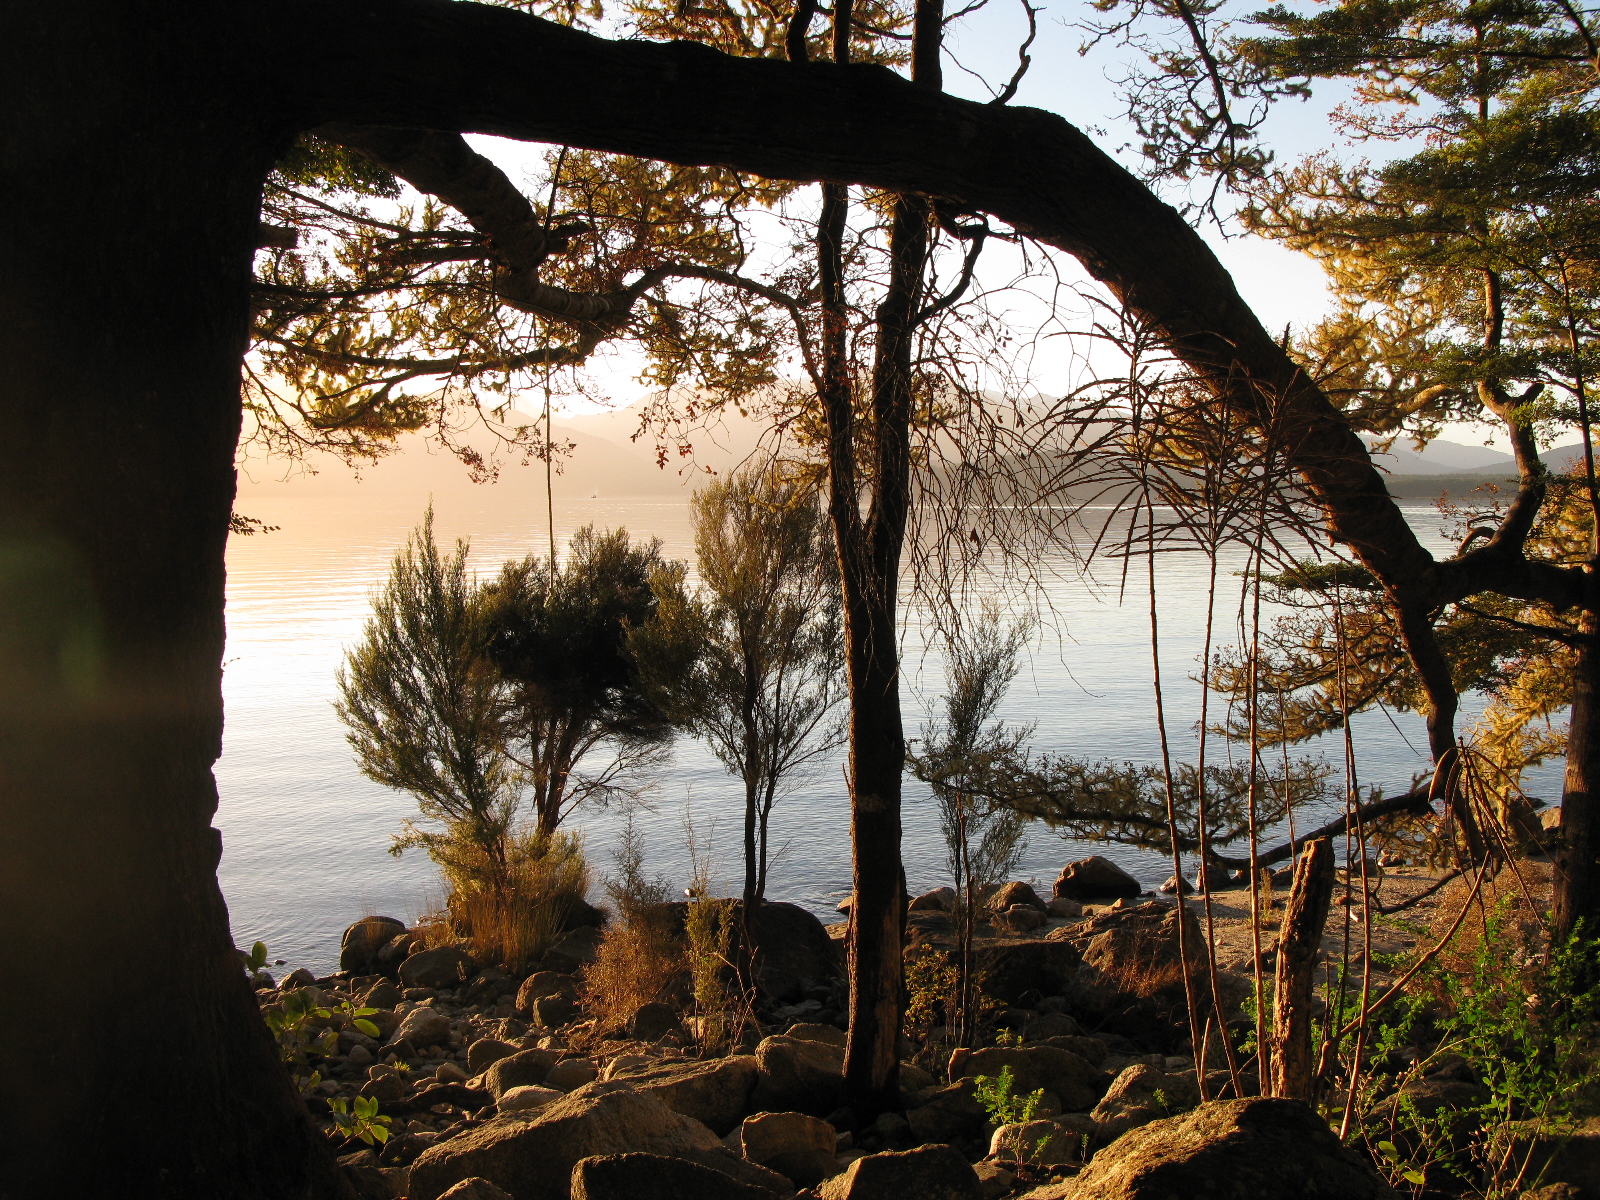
[1293, 1068]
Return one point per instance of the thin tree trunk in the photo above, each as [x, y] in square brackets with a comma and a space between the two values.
[130, 203]
[1293, 1063]
[1577, 867]
[1439, 683]
[752, 786]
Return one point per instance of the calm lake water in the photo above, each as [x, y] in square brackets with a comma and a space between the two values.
[306, 836]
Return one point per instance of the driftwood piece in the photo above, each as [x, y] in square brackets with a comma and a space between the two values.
[1293, 1067]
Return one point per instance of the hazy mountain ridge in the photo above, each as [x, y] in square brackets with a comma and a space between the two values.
[1441, 457]
[606, 460]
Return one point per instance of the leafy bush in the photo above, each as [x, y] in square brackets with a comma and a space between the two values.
[1528, 1030]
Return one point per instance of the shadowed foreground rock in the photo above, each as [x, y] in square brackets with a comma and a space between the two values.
[475, 1189]
[798, 1075]
[715, 1092]
[533, 1159]
[1073, 1081]
[926, 1173]
[652, 1177]
[791, 1144]
[1259, 1149]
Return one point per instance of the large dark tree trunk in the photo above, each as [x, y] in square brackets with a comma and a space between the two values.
[128, 216]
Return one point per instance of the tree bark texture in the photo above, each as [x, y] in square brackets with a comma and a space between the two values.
[1300, 936]
[132, 162]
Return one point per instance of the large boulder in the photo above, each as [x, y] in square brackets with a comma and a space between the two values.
[570, 1074]
[1019, 919]
[792, 953]
[382, 994]
[654, 1177]
[528, 1098]
[798, 1076]
[1092, 1050]
[443, 967]
[579, 948]
[793, 1144]
[358, 949]
[653, 1021]
[544, 983]
[715, 1092]
[1014, 893]
[926, 1173]
[422, 1027]
[1134, 982]
[533, 1157]
[553, 1012]
[1256, 1149]
[1137, 948]
[806, 1031]
[475, 1189]
[1061, 1072]
[1019, 971]
[1142, 1094]
[523, 1069]
[949, 1115]
[941, 899]
[1096, 878]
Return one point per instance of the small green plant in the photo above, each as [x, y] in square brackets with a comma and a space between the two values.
[257, 960]
[360, 1119]
[995, 1093]
[294, 1022]
[356, 1018]
[1399, 1165]
[1007, 1037]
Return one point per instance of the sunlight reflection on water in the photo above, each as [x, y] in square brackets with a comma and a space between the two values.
[306, 836]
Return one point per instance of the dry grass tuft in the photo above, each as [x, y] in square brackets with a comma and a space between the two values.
[510, 913]
[640, 959]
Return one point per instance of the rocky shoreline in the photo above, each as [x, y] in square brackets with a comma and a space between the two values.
[495, 1085]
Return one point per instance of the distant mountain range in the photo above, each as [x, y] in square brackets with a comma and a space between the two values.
[606, 460]
[612, 458]
[1452, 458]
